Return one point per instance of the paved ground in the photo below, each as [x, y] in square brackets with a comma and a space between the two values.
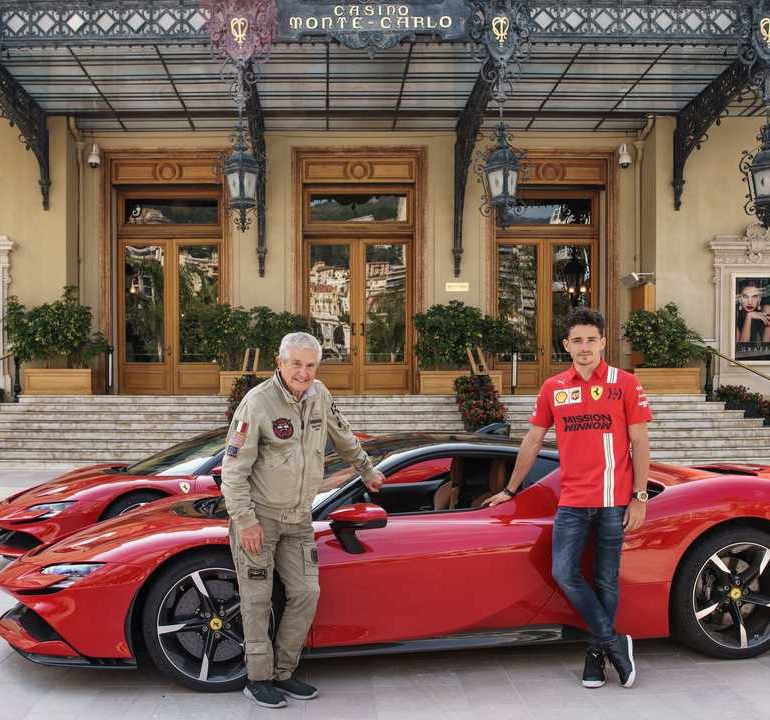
[523, 684]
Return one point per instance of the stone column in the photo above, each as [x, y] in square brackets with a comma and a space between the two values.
[6, 245]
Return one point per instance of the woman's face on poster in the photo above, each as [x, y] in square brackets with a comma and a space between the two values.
[750, 298]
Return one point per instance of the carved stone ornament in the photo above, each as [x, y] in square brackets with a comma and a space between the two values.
[6, 245]
[241, 29]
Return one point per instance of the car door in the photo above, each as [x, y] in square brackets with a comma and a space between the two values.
[431, 574]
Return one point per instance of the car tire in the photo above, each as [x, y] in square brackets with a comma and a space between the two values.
[129, 502]
[178, 653]
[715, 607]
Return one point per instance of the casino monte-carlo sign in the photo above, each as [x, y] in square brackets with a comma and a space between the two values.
[371, 25]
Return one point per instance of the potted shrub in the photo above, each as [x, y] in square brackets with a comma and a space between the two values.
[739, 397]
[443, 334]
[58, 335]
[478, 402]
[666, 346]
[269, 329]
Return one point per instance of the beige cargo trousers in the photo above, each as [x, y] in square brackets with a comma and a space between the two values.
[291, 549]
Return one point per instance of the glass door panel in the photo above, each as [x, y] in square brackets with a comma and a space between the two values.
[198, 288]
[144, 304]
[385, 303]
[329, 300]
[570, 287]
[517, 295]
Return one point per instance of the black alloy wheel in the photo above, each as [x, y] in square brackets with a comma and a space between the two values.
[192, 625]
[130, 502]
[721, 597]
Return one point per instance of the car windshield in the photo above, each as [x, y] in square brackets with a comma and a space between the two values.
[182, 459]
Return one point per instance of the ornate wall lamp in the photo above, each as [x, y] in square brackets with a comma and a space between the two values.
[754, 52]
[500, 31]
[242, 31]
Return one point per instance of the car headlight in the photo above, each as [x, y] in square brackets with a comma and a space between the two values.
[50, 509]
[71, 572]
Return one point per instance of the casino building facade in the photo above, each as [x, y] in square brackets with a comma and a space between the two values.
[372, 116]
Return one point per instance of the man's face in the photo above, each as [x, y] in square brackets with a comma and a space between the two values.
[585, 345]
[750, 298]
[298, 372]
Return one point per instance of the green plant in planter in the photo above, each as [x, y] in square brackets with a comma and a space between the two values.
[499, 335]
[444, 331]
[219, 332]
[56, 331]
[269, 329]
[240, 387]
[663, 338]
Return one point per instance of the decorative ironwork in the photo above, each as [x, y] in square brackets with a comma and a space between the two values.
[694, 119]
[256, 120]
[137, 22]
[466, 132]
[20, 108]
[241, 29]
[500, 31]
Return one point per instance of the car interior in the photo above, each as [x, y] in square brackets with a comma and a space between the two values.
[467, 483]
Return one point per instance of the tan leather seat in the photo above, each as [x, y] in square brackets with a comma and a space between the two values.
[497, 480]
[445, 498]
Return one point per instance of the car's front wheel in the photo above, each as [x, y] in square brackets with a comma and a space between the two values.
[191, 621]
[720, 602]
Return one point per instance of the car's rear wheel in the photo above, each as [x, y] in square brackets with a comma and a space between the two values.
[720, 601]
[191, 622]
[129, 502]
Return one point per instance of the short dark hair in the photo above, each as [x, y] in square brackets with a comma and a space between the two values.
[584, 316]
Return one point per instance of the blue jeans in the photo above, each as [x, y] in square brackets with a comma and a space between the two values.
[597, 605]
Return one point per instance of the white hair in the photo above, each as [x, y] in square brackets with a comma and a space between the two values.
[298, 341]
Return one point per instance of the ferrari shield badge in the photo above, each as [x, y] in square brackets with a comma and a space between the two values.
[282, 428]
[184, 487]
[596, 391]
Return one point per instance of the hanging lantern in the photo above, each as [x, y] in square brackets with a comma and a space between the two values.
[241, 171]
[756, 171]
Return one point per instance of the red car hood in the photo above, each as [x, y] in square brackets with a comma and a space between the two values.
[670, 475]
[165, 526]
[67, 484]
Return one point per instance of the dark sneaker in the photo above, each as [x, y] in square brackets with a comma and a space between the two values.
[296, 689]
[621, 654]
[593, 670]
[263, 693]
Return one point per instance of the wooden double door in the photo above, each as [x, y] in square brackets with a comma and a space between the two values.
[164, 287]
[359, 302]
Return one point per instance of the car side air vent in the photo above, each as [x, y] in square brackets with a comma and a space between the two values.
[728, 469]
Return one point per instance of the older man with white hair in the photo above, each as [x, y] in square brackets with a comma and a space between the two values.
[273, 468]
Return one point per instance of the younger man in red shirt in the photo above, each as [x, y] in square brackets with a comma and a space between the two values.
[601, 415]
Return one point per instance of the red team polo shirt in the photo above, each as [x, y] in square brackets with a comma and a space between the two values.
[592, 420]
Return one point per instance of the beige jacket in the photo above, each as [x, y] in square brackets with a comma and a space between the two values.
[274, 456]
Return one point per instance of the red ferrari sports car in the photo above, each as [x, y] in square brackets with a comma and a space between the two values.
[85, 496]
[418, 566]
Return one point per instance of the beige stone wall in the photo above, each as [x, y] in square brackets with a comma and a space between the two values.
[42, 261]
[712, 204]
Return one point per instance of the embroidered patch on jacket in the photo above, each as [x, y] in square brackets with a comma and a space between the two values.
[257, 573]
[238, 439]
[241, 427]
[568, 396]
[283, 428]
[596, 391]
[232, 451]
[315, 423]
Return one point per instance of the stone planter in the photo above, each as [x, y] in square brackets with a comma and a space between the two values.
[670, 381]
[227, 378]
[58, 381]
[441, 382]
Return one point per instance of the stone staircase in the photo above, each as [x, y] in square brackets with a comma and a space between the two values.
[51, 432]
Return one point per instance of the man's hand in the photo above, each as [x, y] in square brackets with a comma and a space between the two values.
[501, 497]
[375, 483]
[634, 517]
[251, 539]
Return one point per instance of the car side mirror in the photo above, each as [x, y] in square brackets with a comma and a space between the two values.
[347, 520]
[216, 473]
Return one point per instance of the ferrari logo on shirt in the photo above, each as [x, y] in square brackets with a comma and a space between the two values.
[596, 391]
[568, 396]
